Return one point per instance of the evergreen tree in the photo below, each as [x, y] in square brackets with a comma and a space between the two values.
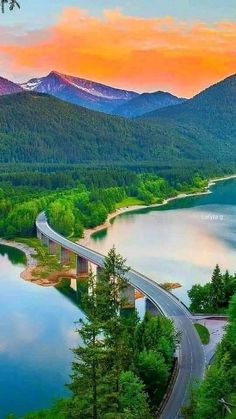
[217, 288]
[88, 370]
[106, 337]
[110, 289]
[132, 398]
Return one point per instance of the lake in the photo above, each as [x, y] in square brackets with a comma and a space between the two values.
[36, 332]
[180, 242]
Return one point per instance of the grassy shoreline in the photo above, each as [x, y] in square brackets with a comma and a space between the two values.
[30, 245]
[133, 206]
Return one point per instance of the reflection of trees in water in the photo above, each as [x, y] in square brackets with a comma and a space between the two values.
[15, 256]
[75, 296]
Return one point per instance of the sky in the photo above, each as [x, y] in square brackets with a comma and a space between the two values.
[181, 46]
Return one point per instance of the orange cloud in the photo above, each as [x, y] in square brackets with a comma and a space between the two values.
[129, 52]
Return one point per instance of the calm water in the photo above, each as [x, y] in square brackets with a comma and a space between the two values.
[36, 332]
[181, 242]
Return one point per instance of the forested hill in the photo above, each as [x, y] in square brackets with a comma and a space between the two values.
[212, 111]
[38, 128]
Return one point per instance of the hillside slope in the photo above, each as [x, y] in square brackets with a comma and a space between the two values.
[36, 127]
[212, 111]
[7, 87]
[39, 128]
[147, 102]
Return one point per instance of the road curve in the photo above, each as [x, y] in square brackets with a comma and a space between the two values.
[191, 355]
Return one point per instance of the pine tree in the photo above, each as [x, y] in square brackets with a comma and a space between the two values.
[88, 379]
[111, 284]
[217, 288]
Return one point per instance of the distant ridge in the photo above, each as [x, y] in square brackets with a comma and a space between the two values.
[36, 127]
[100, 97]
[7, 87]
[147, 102]
[79, 91]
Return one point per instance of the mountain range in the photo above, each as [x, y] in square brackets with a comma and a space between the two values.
[7, 87]
[36, 127]
[92, 95]
[147, 102]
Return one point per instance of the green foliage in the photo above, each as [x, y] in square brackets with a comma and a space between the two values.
[75, 197]
[154, 372]
[132, 398]
[113, 370]
[57, 411]
[99, 383]
[38, 128]
[203, 333]
[214, 296]
[90, 377]
[155, 342]
[220, 379]
[206, 123]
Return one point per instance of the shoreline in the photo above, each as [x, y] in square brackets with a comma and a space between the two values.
[84, 241]
[30, 252]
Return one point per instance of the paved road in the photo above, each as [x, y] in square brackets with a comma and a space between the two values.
[191, 355]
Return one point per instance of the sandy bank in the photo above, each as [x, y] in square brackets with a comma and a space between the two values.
[90, 231]
[30, 253]
[32, 265]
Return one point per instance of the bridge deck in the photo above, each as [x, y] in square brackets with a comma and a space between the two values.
[191, 358]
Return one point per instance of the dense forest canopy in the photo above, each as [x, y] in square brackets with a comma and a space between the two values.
[39, 128]
[78, 198]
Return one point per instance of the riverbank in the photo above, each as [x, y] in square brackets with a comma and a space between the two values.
[33, 270]
[31, 253]
[85, 240]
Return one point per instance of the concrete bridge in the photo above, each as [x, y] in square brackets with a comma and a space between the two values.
[191, 355]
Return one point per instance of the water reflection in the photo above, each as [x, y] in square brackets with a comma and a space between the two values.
[36, 332]
[180, 242]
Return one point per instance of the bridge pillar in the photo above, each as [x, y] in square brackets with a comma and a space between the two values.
[129, 296]
[65, 256]
[52, 247]
[73, 284]
[39, 235]
[44, 240]
[82, 266]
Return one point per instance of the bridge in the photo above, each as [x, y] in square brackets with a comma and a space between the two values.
[191, 361]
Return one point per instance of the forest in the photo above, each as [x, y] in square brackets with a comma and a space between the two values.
[79, 198]
[215, 397]
[122, 368]
[39, 128]
[214, 296]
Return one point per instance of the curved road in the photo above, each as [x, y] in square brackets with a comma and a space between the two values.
[191, 355]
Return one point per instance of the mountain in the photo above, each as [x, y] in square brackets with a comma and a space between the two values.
[212, 111]
[8, 87]
[79, 91]
[37, 127]
[209, 120]
[147, 102]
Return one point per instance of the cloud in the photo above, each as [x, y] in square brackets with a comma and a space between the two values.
[125, 51]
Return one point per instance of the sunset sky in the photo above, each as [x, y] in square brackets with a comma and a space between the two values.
[181, 46]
